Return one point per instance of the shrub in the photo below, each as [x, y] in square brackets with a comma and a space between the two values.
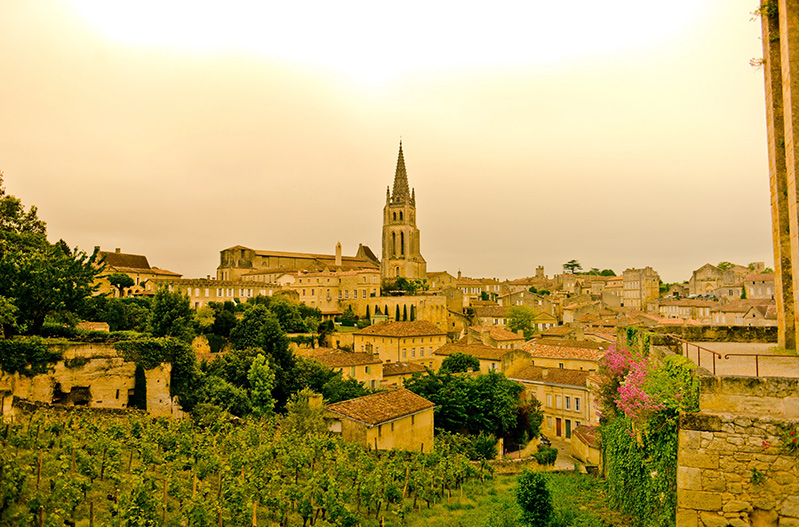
[533, 497]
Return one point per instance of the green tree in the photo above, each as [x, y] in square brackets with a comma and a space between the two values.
[533, 497]
[38, 278]
[743, 292]
[725, 265]
[171, 315]
[572, 266]
[120, 281]
[522, 318]
[302, 416]
[459, 362]
[262, 382]
[8, 315]
[607, 272]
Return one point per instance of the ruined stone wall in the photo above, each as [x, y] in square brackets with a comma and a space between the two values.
[732, 469]
[93, 375]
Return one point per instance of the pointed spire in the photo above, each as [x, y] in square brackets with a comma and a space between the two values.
[401, 193]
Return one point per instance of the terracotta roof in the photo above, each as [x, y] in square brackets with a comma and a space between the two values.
[497, 333]
[759, 277]
[552, 376]
[743, 305]
[587, 434]
[559, 330]
[564, 349]
[417, 328]
[129, 261]
[481, 351]
[689, 302]
[402, 368]
[581, 304]
[382, 406]
[490, 311]
[336, 358]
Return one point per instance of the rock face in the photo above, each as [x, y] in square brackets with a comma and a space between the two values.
[91, 375]
[732, 468]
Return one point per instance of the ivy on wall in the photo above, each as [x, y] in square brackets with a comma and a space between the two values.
[28, 356]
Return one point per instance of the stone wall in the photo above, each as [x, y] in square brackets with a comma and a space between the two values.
[720, 333]
[732, 469]
[93, 375]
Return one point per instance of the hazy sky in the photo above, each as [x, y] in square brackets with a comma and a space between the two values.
[621, 135]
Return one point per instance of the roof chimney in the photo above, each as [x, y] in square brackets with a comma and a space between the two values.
[338, 254]
[97, 248]
[117, 250]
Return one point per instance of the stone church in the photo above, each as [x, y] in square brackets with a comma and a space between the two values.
[401, 253]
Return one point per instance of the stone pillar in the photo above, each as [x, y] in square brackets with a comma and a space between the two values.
[780, 223]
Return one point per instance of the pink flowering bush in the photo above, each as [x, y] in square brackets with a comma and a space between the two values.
[632, 386]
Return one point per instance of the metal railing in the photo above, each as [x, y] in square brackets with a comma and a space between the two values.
[757, 358]
[699, 350]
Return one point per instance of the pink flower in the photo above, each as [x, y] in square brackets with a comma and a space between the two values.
[766, 445]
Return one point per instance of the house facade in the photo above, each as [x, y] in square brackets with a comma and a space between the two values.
[401, 341]
[385, 420]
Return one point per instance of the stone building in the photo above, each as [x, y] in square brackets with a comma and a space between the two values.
[641, 287]
[401, 341]
[362, 367]
[244, 263]
[402, 255]
[568, 354]
[385, 420]
[136, 267]
[565, 396]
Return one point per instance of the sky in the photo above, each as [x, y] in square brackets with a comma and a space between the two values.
[623, 135]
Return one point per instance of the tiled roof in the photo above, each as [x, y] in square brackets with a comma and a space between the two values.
[382, 406]
[130, 261]
[552, 376]
[689, 302]
[559, 330]
[402, 368]
[481, 351]
[587, 434]
[335, 358]
[497, 333]
[564, 349]
[490, 311]
[742, 305]
[417, 328]
[759, 277]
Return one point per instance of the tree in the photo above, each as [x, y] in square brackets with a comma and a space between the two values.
[262, 382]
[8, 315]
[743, 292]
[302, 416]
[38, 278]
[533, 497]
[723, 266]
[171, 315]
[572, 266]
[607, 272]
[120, 281]
[459, 362]
[522, 318]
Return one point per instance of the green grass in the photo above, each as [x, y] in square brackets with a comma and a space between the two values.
[579, 500]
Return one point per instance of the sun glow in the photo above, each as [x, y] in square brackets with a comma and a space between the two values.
[378, 41]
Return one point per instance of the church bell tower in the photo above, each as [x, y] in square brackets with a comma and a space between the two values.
[401, 254]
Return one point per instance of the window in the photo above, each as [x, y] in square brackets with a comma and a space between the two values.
[366, 369]
[549, 422]
[413, 352]
[557, 401]
[404, 353]
[568, 403]
[577, 404]
[352, 371]
[549, 400]
[379, 430]
[413, 419]
[421, 352]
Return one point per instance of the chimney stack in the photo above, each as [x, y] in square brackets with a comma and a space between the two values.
[338, 254]
[117, 250]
